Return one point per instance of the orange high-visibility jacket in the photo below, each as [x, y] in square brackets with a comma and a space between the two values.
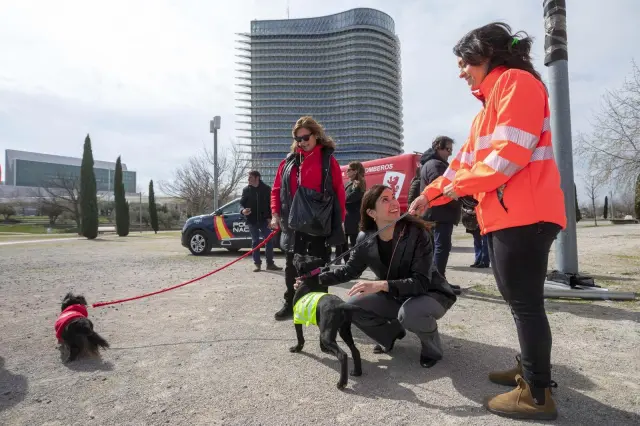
[507, 162]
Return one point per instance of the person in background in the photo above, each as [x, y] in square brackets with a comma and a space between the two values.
[354, 190]
[414, 188]
[434, 163]
[507, 165]
[480, 242]
[312, 166]
[256, 208]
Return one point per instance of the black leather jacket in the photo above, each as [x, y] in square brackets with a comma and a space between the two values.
[287, 239]
[432, 168]
[353, 202]
[411, 272]
[258, 199]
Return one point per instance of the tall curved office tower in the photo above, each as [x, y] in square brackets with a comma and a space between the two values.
[342, 69]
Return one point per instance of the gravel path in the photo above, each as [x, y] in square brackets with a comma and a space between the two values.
[210, 353]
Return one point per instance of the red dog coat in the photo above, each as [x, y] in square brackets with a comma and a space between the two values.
[71, 312]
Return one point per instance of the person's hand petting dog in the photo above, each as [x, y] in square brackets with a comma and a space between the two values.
[361, 288]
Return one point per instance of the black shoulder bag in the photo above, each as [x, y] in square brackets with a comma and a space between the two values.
[311, 211]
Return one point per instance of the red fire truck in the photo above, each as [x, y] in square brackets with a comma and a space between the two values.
[395, 172]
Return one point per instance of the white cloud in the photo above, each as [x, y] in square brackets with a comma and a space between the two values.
[144, 78]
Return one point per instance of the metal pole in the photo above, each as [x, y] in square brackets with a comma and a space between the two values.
[141, 212]
[556, 59]
[215, 169]
[214, 125]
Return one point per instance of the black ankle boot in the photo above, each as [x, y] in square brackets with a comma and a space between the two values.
[426, 362]
[285, 312]
[378, 349]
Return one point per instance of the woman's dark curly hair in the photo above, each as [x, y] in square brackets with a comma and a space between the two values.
[496, 43]
[369, 203]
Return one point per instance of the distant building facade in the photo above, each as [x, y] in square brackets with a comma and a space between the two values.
[31, 169]
[342, 69]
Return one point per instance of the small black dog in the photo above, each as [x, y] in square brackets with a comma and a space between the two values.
[329, 312]
[75, 331]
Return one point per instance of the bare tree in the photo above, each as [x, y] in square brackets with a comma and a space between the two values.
[193, 181]
[625, 203]
[613, 147]
[593, 185]
[61, 195]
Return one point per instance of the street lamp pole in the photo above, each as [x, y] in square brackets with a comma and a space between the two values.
[556, 59]
[214, 126]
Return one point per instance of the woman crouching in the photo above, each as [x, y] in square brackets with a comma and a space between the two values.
[408, 293]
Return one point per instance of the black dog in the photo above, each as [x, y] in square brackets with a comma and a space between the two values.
[332, 315]
[75, 331]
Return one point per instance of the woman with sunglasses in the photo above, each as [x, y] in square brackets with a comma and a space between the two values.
[311, 166]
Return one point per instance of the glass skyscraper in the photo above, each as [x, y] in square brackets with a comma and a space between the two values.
[342, 69]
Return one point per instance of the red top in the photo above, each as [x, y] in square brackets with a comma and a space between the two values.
[71, 312]
[310, 177]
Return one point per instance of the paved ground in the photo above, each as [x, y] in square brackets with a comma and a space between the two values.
[210, 353]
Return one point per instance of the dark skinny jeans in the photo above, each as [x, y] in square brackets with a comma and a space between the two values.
[519, 258]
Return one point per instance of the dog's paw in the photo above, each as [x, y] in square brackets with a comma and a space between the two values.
[65, 353]
[325, 350]
[356, 373]
[341, 385]
[296, 348]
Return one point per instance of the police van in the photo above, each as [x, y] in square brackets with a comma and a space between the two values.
[224, 228]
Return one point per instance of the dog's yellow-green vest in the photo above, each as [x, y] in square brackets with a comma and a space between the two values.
[304, 311]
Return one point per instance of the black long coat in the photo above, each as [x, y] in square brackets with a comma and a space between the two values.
[352, 205]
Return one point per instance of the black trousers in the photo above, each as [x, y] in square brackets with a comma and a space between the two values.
[303, 244]
[344, 247]
[519, 258]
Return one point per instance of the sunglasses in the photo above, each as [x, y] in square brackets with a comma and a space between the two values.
[302, 138]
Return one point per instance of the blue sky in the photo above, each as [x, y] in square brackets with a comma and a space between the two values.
[144, 78]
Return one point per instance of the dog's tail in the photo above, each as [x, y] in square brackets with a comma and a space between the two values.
[97, 340]
[85, 328]
[348, 309]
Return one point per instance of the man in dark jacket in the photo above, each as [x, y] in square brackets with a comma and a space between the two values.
[434, 163]
[414, 188]
[256, 207]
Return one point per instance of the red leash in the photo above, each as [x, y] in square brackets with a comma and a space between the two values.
[96, 305]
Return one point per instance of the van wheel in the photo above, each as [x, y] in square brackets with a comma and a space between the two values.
[199, 244]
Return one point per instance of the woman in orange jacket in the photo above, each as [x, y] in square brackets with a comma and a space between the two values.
[507, 165]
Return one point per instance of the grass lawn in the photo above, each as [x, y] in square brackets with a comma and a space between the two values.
[6, 237]
[40, 219]
[26, 228]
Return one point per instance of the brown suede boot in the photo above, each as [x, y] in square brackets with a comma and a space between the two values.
[519, 404]
[508, 377]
